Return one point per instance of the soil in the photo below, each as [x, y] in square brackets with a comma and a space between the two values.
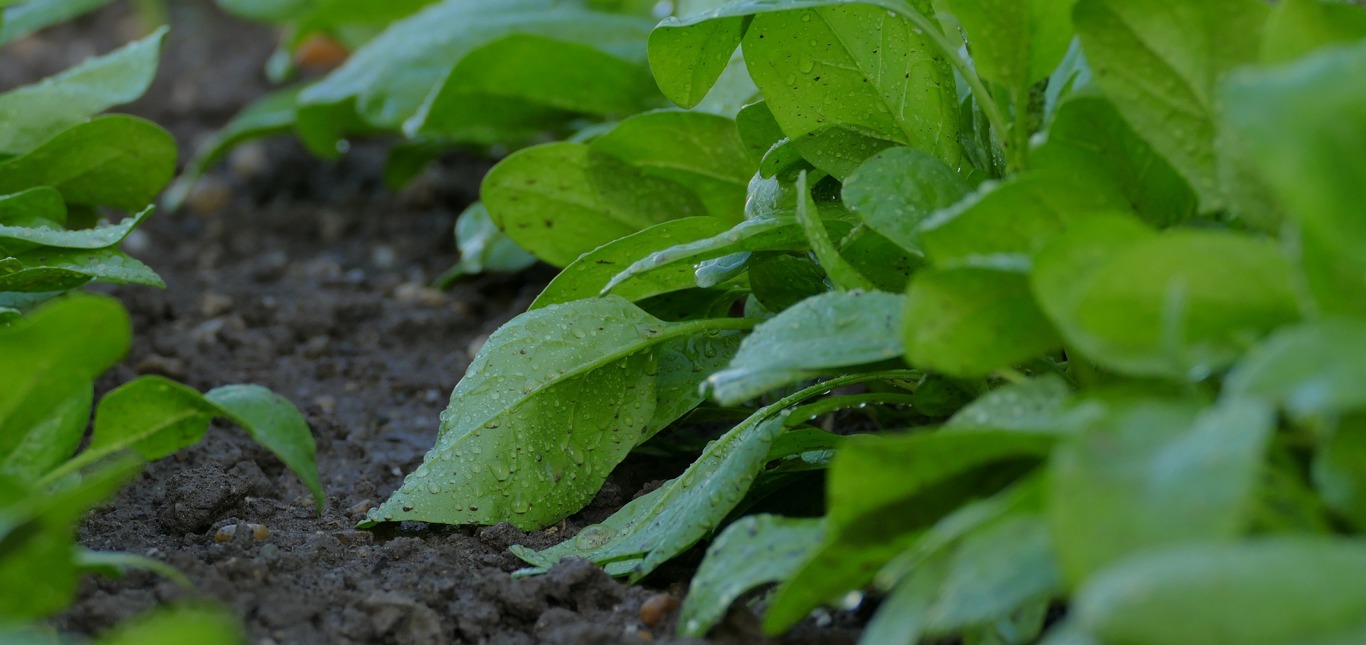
[308, 277]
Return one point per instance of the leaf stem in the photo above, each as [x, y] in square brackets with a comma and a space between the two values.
[984, 97]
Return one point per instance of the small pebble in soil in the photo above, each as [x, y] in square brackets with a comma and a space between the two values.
[209, 196]
[213, 304]
[163, 365]
[657, 608]
[248, 160]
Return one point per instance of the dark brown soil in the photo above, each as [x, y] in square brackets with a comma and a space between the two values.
[308, 277]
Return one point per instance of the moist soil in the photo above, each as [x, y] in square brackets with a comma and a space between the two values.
[309, 277]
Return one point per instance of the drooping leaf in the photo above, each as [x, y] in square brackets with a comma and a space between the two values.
[754, 551]
[553, 401]
[276, 424]
[89, 239]
[842, 274]
[813, 337]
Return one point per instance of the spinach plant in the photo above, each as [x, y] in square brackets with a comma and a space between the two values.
[1094, 268]
[63, 171]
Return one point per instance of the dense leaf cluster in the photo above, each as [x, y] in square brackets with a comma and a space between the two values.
[1102, 261]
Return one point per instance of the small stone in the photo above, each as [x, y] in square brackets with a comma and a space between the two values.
[418, 293]
[656, 608]
[225, 533]
[270, 552]
[213, 304]
[383, 257]
[361, 507]
[259, 532]
[209, 196]
[326, 403]
[206, 333]
[163, 365]
[248, 160]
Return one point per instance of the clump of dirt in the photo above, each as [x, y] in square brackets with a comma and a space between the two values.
[309, 277]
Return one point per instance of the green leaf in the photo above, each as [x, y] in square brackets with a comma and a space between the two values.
[116, 564]
[51, 269]
[777, 233]
[180, 625]
[758, 129]
[518, 84]
[586, 276]
[34, 113]
[1178, 304]
[884, 492]
[971, 322]
[1302, 125]
[93, 238]
[37, 530]
[554, 400]
[276, 424]
[1154, 472]
[700, 151]
[891, 82]
[1091, 143]
[483, 248]
[842, 274]
[1298, 27]
[814, 337]
[756, 550]
[1003, 225]
[782, 280]
[561, 200]
[1268, 592]
[1160, 63]
[35, 207]
[1015, 43]
[117, 161]
[24, 18]
[1035, 405]
[1313, 370]
[397, 75]
[897, 189]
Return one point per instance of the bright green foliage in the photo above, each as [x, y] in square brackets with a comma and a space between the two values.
[1114, 316]
[50, 361]
[753, 551]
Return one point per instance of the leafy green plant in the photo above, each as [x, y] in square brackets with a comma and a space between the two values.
[64, 171]
[1099, 262]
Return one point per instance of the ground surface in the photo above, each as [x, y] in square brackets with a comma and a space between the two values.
[308, 277]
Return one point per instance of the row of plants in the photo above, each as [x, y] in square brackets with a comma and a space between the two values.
[73, 185]
[1093, 269]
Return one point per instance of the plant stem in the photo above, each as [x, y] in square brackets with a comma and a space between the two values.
[984, 98]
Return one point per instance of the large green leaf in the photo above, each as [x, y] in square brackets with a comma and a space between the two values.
[50, 269]
[870, 77]
[1090, 142]
[1150, 473]
[1178, 304]
[561, 200]
[554, 400]
[1313, 370]
[700, 151]
[117, 161]
[1161, 63]
[1268, 592]
[812, 338]
[31, 114]
[970, 322]
[1304, 127]
[23, 18]
[46, 234]
[1298, 27]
